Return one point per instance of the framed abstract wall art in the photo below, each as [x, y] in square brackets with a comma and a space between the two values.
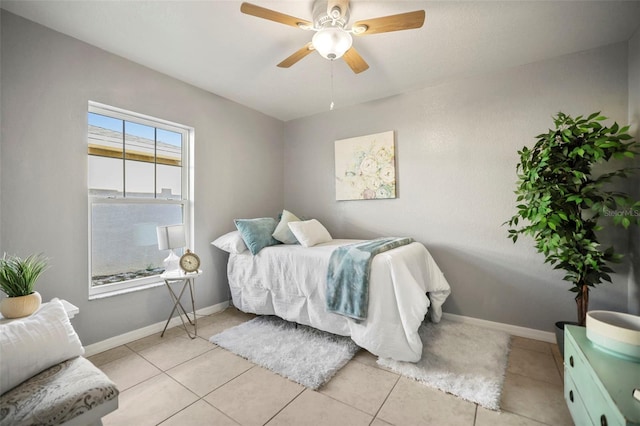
[365, 167]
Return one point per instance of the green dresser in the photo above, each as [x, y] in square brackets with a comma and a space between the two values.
[598, 387]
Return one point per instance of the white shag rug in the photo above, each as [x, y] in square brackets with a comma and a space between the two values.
[460, 359]
[303, 354]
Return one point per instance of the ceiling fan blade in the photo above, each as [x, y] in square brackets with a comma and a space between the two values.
[385, 24]
[342, 5]
[355, 61]
[272, 15]
[298, 55]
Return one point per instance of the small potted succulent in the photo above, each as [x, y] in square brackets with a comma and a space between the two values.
[17, 279]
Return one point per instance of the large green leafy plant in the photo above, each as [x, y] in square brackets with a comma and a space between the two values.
[562, 203]
[18, 276]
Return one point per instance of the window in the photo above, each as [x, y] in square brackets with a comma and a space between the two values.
[139, 178]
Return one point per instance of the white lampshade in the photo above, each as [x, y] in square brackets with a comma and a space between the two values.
[171, 237]
[332, 42]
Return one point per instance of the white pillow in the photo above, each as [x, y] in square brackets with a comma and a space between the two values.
[282, 232]
[32, 344]
[230, 242]
[310, 232]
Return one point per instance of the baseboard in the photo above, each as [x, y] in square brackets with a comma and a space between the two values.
[514, 330]
[129, 337]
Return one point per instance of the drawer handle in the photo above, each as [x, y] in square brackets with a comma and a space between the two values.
[571, 398]
[603, 420]
[571, 360]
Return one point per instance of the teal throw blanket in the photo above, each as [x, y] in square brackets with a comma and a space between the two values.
[348, 275]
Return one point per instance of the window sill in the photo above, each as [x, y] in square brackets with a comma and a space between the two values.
[125, 290]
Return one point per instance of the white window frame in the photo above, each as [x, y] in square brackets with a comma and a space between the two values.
[186, 200]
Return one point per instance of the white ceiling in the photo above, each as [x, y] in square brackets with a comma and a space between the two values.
[211, 45]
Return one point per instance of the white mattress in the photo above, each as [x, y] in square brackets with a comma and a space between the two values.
[290, 281]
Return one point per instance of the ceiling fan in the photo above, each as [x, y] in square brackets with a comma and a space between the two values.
[333, 38]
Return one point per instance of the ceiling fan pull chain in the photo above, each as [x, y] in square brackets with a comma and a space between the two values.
[331, 105]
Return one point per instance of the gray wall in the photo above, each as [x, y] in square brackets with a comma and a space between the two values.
[47, 80]
[634, 120]
[456, 147]
[1, 138]
[456, 154]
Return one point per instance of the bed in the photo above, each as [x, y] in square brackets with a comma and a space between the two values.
[289, 281]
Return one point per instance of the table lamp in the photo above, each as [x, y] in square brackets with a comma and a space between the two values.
[171, 237]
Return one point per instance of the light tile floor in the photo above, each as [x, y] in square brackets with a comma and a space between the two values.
[178, 381]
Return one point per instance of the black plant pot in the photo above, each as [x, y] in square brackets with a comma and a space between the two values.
[560, 334]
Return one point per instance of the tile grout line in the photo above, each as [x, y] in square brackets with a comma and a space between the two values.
[304, 388]
[177, 412]
[202, 398]
[219, 410]
[475, 414]
[229, 381]
[112, 360]
[386, 398]
[526, 417]
[177, 365]
[198, 398]
[344, 403]
[561, 385]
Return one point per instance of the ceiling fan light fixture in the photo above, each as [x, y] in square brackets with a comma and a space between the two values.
[332, 42]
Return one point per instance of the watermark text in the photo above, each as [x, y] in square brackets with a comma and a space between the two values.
[622, 212]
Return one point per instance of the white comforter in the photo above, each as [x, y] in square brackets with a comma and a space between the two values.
[290, 281]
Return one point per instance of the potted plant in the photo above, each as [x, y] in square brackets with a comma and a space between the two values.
[562, 202]
[17, 279]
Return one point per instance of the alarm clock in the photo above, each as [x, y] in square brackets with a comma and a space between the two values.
[189, 261]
